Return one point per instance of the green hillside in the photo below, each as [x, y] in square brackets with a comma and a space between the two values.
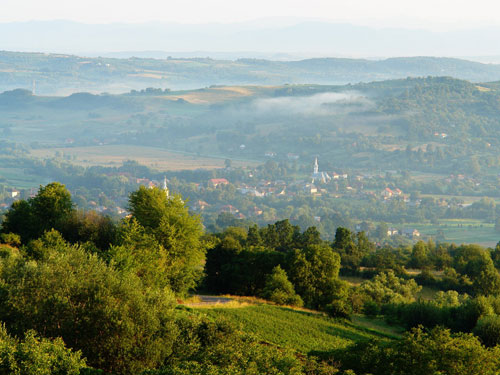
[301, 330]
[66, 74]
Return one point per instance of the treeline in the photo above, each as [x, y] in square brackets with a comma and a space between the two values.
[83, 294]
[250, 262]
[109, 290]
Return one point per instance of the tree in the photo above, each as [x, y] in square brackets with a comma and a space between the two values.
[90, 226]
[178, 232]
[280, 290]
[49, 209]
[488, 330]
[37, 356]
[388, 288]
[475, 262]
[497, 224]
[206, 347]
[419, 255]
[19, 220]
[119, 326]
[381, 231]
[420, 352]
[314, 272]
[51, 206]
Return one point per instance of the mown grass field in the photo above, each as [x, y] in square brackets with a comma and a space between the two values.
[461, 231]
[159, 159]
[302, 330]
[18, 178]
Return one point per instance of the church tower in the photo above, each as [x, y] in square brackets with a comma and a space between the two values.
[318, 176]
[165, 187]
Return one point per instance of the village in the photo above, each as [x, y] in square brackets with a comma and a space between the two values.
[249, 197]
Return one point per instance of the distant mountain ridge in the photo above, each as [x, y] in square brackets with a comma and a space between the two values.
[66, 74]
[306, 37]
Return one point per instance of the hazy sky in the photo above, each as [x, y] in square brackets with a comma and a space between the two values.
[435, 14]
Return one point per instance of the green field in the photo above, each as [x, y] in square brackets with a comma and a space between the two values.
[467, 199]
[462, 231]
[154, 157]
[302, 330]
[18, 178]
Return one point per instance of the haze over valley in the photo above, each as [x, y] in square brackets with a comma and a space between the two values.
[234, 188]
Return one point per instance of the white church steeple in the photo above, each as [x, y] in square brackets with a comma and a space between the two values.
[318, 176]
[165, 187]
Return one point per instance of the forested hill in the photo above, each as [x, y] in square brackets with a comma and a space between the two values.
[66, 74]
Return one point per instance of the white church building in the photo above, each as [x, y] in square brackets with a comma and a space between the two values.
[318, 176]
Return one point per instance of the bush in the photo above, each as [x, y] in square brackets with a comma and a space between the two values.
[371, 308]
[419, 352]
[388, 288]
[11, 239]
[280, 290]
[118, 326]
[35, 356]
[216, 348]
[488, 330]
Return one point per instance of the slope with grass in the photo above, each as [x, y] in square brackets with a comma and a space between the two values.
[304, 331]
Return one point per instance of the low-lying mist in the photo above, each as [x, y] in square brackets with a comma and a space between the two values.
[323, 104]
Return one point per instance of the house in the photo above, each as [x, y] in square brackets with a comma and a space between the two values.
[121, 211]
[270, 154]
[392, 231]
[310, 189]
[440, 135]
[145, 182]
[214, 182]
[200, 205]
[337, 176]
[14, 193]
[291, 156]
[255, 211]
[387, 193]
[229, 209]
[411, 233]
[251, 191]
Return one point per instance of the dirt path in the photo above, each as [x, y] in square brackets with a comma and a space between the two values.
[204, 300]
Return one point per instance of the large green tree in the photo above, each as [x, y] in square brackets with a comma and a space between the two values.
[119, 325]
[49, 209]
[314, 272]
[179, 247]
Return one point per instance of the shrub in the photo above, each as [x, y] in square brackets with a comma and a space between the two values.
[11, 239]
[118, 326]
[35, 356]
[371, 308]
[280, 290]
[488, 330]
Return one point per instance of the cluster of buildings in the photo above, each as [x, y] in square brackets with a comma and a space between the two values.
[389, 193]
[410, 233]
[312, 186]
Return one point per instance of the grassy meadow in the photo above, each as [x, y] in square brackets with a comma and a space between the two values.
[299, 329]
[461, 231]
[157, 158]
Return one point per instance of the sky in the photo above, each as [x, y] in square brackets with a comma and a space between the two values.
[427, 14]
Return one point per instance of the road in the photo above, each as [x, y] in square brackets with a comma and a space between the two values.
[205, 300]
